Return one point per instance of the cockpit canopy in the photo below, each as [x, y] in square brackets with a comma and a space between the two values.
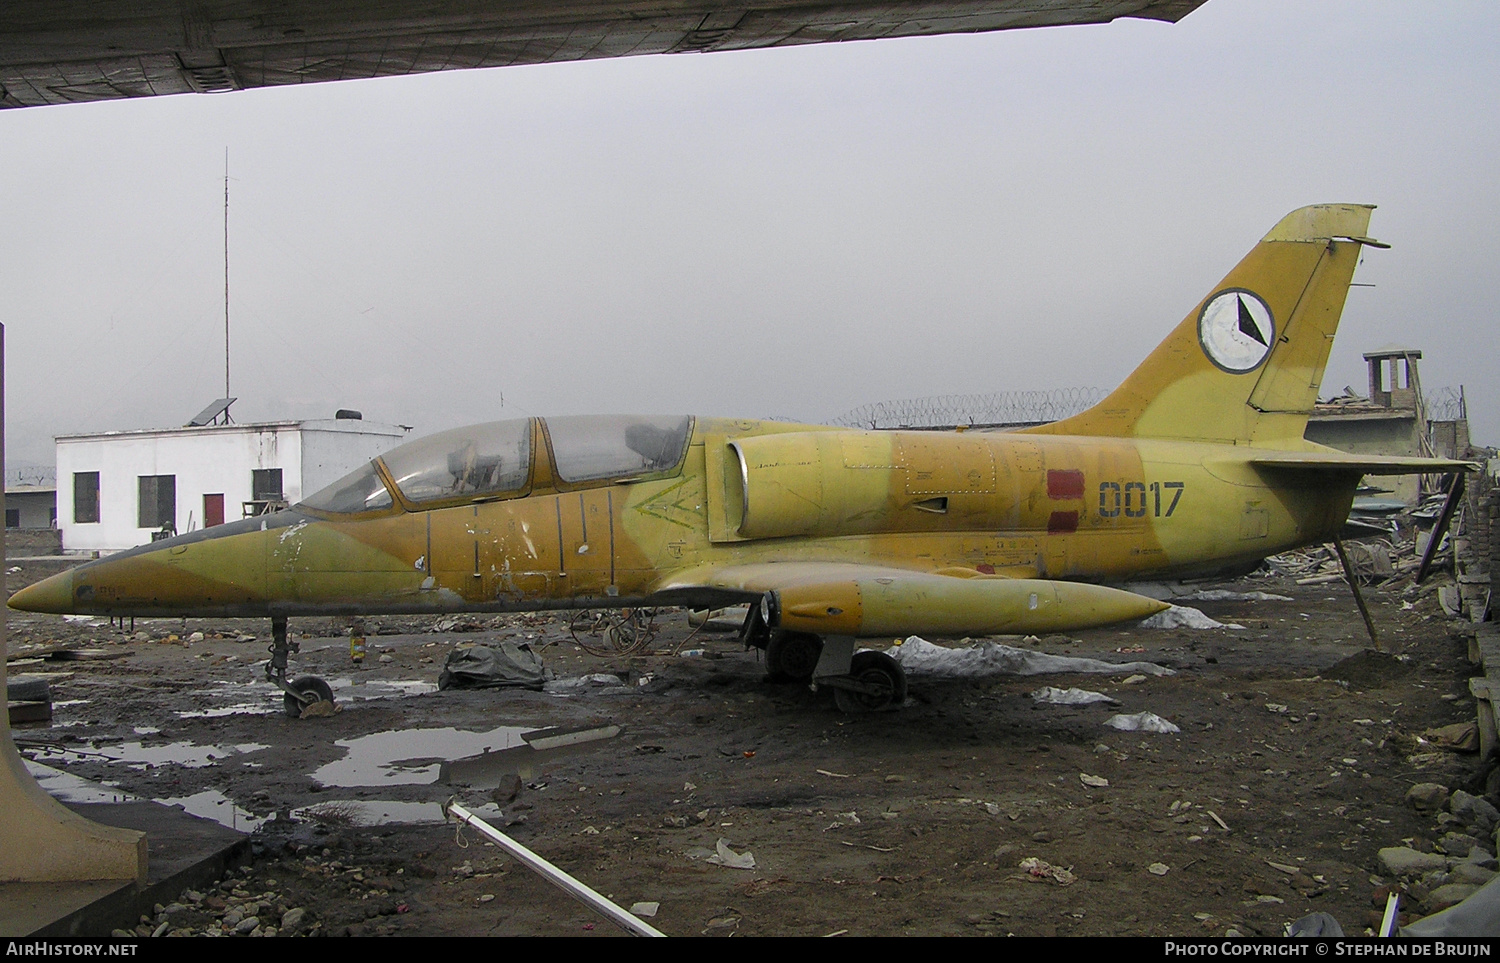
[495, 459]
[486, 459]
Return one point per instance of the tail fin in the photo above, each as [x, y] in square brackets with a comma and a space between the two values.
[1244, 366]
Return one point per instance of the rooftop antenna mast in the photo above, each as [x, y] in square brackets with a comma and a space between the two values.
[226, 282]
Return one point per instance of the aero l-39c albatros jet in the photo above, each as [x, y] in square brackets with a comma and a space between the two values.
[1196, 463]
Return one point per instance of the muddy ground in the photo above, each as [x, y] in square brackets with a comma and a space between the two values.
[1296, 750]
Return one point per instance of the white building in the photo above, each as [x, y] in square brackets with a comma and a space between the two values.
[116, 489]
[30, 506]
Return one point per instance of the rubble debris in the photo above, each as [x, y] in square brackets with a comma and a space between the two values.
[1459, 737]
[1368, 669]
[1039, 869]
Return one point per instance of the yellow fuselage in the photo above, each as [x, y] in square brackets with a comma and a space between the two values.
[967, 504]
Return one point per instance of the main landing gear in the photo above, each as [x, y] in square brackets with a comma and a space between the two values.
[305, 696]
[861, 681]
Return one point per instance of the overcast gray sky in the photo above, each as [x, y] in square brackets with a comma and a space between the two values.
[771, 233]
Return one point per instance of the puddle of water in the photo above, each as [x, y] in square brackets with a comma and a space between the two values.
[209, 804]
[244, 708]
[68, 788]
[370, 812]
[212, 804]
[360, 690]
[260, 698]
[420, 757]
[410, 757]
[485, 770]
[385, 812]
[139, 756]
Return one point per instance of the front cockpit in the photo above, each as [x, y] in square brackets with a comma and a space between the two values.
[509, 459]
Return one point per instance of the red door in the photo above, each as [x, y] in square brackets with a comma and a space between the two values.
[213, 510]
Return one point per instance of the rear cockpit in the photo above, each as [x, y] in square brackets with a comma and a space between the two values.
[508, 459]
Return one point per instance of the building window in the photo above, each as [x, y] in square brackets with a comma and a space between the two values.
[265, 484]
[158, 505]
[12, 518]
[85, 496]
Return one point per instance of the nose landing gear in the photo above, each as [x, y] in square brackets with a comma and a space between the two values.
[304, 693]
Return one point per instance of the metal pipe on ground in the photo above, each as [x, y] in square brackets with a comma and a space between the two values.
[595, 901]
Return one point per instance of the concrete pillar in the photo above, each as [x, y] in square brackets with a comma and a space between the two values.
[42, 840]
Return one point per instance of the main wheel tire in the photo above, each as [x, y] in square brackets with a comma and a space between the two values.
[792, 656]
[873, 669]
[313, 689]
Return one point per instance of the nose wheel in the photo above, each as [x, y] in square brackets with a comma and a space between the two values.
[304, 693]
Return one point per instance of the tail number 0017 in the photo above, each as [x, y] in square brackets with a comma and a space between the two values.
[1136, 500]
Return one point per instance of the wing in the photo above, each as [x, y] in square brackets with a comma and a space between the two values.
[846, 598]
[67, 51]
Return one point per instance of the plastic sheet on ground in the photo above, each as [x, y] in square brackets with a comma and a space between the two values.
[596, 680]
[1140, 722]
[1225, 595]
[1052, 695]
[1183, 617]
[1477, 916]
[1185, 592]
[724, 856]
[920, 657]
[504, 665]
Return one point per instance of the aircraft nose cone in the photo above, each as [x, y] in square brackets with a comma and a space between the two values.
[53, 594]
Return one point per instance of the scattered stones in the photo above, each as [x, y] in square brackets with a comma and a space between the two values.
[1405, 861]
[1474, 811]
[1447, 895]
[1467, 872]
[1457, 844]
[1427, 797]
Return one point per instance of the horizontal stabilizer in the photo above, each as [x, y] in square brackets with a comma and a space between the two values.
[1332, 461]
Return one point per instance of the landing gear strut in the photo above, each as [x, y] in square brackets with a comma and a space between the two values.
[305, 691]
[861, 681]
